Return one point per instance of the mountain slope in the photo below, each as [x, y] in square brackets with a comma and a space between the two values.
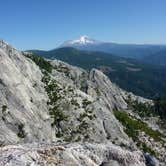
[53, 113]
[132, 75]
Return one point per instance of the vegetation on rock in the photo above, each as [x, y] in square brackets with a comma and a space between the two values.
[149, 110]
[56, 113]
[21, 132]
[133, 127]
[41, 62]
[4, 108]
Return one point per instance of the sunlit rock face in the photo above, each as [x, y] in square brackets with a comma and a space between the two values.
[24, 99]
[63, 115]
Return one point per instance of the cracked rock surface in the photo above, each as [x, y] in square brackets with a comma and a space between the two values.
[71, 154]
[62, 117]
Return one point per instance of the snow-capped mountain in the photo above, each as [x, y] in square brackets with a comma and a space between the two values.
[82, 41]
[137, 51]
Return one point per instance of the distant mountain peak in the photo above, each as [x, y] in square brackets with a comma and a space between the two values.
[85, 39]
[82, 40]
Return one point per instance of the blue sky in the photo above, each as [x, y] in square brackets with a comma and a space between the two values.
[44, 24]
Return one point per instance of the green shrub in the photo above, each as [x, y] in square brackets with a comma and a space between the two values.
[83, 126]
[78, 138]
[142, 109]
[21, 133]
[41, 62]
[74, 102]
[57, 116]
[4, 108]
[132, 126]
[85, 103]
[64, 70]
[146, 149]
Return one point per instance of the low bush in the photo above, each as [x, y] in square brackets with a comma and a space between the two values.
[21, 133]
[132, 126]
[41, 62]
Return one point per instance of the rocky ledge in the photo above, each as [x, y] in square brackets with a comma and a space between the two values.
[69, 154]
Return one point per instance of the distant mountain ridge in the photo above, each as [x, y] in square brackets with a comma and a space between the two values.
[130, 74]
[138, 51]
[158, 58]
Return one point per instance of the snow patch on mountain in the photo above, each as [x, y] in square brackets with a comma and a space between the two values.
[83, 40]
